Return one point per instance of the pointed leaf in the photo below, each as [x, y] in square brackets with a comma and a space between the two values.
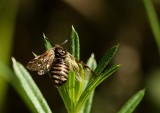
[30, 88]
[92, 64]
[11, 78]
[133, 102]
[94, 84]
[106, 59]
[47, 42]
[75, 46]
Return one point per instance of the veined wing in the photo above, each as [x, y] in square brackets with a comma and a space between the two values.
[42, 63]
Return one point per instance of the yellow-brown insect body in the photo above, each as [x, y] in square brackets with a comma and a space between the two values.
[60, 68]
[59, 71]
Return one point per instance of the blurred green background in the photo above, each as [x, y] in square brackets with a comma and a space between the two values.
[100, 24]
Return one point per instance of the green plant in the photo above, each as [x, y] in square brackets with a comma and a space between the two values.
[153, 20]
[77, 96]
[7, 25]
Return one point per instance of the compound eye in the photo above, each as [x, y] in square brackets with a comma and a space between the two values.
[62, 52]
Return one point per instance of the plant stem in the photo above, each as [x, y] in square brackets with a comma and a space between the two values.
[153, 21]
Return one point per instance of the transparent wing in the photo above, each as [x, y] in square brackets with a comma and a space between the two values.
[42, 63]
[89, 73]
[77, 66]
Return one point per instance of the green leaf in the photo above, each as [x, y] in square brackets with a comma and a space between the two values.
[94, 84]
[11, 78]
[65, 97]
[88, 104]
[107, 73]
[102, 77]
[47, 42]
[8, 17]
[71, 89]
[30, 88]
[153, 20]
[8, 72]
[92, 64]
[69, 92]
[63, 91]
[106, 59]
[75, 46]
[133, 102]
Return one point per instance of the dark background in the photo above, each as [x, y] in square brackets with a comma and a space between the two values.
[100, 25]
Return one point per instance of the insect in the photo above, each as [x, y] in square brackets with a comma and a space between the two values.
[57, 62]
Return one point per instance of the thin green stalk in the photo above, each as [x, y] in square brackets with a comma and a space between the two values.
[64, 95]
[153, 20]
[88, 103]
[7, 23]
[71, 90]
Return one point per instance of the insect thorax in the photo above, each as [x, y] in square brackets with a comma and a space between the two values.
[60, 52]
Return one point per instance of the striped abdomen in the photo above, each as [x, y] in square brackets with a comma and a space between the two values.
[59, 71]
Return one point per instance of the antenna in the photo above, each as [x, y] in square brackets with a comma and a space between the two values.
[64, 42]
